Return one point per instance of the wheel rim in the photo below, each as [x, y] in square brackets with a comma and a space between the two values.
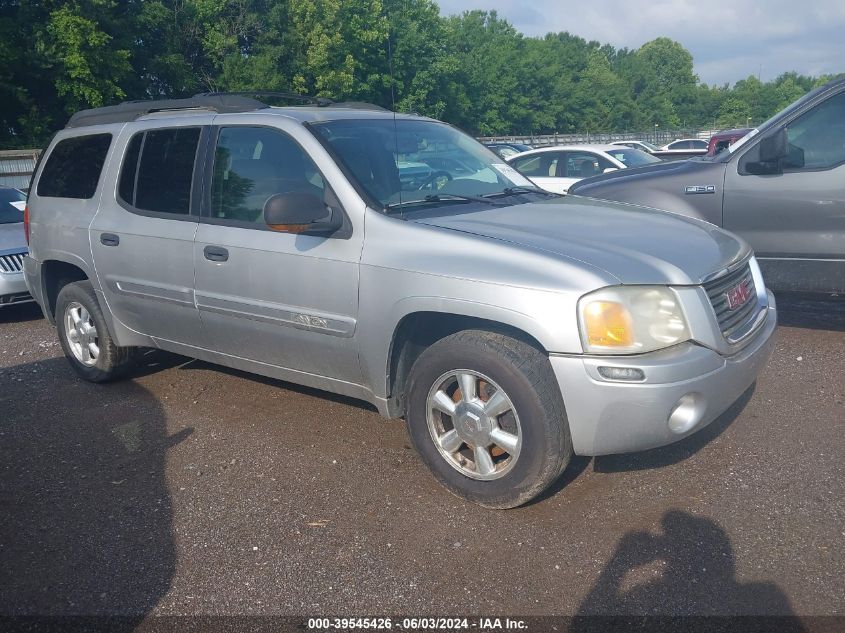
[81, 334]
[474, 424]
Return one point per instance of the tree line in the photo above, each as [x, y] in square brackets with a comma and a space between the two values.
[474, 70]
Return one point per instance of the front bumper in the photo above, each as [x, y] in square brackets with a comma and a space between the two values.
[13, 289]
[686, 387]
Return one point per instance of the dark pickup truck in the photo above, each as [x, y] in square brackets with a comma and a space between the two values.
[782, 188]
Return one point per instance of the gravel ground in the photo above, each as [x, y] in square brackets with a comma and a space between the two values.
[192, 489]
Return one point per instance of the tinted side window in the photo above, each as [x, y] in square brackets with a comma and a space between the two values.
[73, 167]
[817, 138]
[166, 170]
[129, 171]
[541, 165]
[584, 165]
[251, 164]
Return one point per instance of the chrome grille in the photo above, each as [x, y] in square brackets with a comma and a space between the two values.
[12, 263]
[730, 321]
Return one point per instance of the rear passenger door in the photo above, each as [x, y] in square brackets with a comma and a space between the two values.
[142, 236]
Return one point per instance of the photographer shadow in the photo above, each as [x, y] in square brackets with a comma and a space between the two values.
[86, 527]
[687, 570]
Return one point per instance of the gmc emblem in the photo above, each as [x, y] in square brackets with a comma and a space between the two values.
[738, 295]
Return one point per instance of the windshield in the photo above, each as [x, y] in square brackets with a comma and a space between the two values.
[632, 157]
[9, 212]
[405, 162]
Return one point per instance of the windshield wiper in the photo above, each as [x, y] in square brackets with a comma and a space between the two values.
[514, 191]
[441, 197]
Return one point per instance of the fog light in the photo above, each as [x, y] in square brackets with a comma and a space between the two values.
[687, 413]
[626, 374]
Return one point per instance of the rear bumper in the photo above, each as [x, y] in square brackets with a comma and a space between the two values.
[32, 277]
[686, 387]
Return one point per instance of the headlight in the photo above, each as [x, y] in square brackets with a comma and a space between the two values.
[631, 320]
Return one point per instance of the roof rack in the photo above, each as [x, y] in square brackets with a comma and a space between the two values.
[320, 102]
[222, 102]
[358, 105]
[131, 110]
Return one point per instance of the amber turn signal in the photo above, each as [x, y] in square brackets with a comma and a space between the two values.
[608, 324]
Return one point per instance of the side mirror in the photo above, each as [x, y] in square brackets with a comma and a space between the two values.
[610, 169]
[301, 213]
[774, 147]
[772, 150]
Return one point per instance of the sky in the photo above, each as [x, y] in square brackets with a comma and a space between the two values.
[729, 39]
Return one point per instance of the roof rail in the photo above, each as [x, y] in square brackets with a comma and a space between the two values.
[358, 105]
[317, 101]
[222, 102]
[131, 110]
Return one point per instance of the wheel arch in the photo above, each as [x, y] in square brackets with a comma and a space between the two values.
[55, 274]
[418, 329]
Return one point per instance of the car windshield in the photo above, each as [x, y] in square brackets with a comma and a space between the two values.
[632, 157]
[420, 162]
[9, 213]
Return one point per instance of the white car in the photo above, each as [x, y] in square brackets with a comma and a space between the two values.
[645, 146]
[685, 145]
[555, 169]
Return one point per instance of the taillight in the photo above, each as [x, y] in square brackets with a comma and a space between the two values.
[26, 223]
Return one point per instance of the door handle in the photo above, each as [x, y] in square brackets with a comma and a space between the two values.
[216, 253]
[109, 239]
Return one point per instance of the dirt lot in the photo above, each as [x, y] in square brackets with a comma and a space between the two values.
[194, 489]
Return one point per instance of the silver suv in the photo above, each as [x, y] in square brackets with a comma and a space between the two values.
[394, 259]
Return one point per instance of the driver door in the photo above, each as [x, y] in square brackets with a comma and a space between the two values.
[795, 220]
[280, 299]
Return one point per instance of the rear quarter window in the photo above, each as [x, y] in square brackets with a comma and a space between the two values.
[74, 166]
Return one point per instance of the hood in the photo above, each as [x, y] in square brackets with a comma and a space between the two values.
[635, 245]
[662, 169]
[12, 237]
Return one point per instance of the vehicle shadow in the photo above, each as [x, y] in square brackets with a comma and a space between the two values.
[689, 569]
[813, 311]
[677, 452]
[20, 312]
[281, 384]
[86, 526]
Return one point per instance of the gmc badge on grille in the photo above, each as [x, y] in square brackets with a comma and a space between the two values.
[737, 295]
[693, 189]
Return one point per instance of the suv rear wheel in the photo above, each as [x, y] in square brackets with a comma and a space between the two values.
[485, 413]
[84, 337]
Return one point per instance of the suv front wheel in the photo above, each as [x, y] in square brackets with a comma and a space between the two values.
[84, 336]
[485, 413]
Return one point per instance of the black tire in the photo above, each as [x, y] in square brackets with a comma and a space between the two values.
[526, 376]
[112, 362]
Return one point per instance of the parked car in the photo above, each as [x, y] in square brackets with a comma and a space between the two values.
[685, 144]
[506, 150]
[511, 328]
[682, 149]
[722, 140]
[781, 187]
[555, 169]
[12, 247]
[644, 146]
